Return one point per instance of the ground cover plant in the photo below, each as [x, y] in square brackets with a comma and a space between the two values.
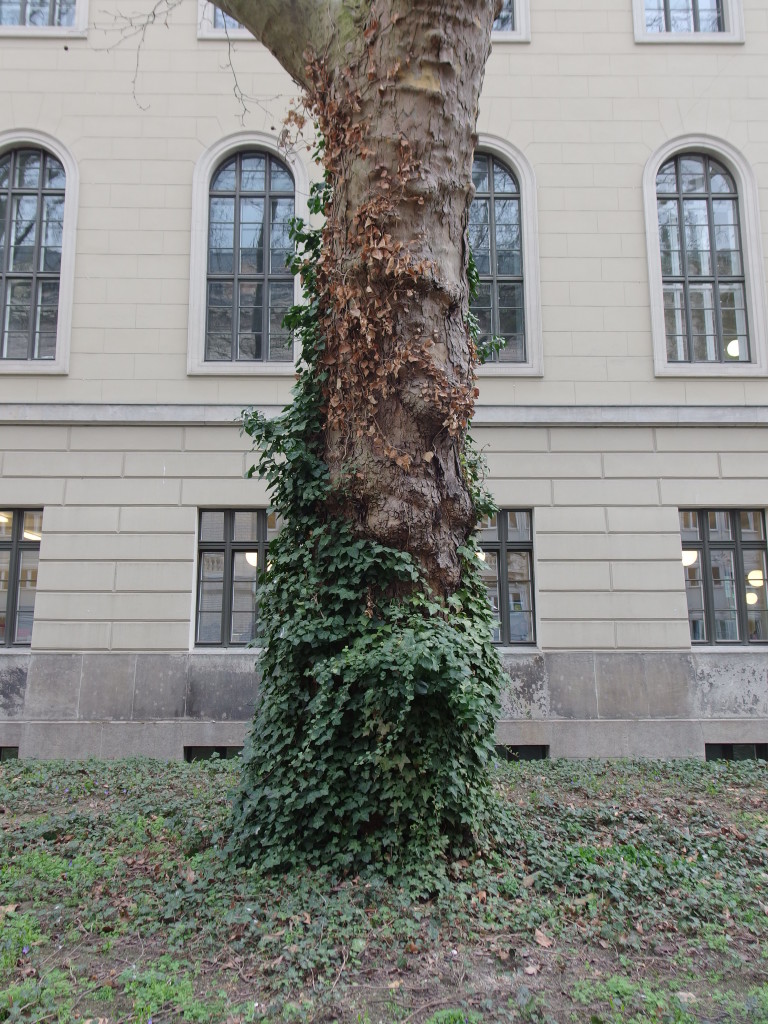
[618, 893]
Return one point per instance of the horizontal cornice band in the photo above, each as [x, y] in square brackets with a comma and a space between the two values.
[83, 414]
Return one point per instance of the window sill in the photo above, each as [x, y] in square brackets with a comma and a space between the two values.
[242, 370]
[730, 648]
[510, 37]
[691, 38]
[704, 371]
[509, 370]
[222, 36]
[43, 32]
[32, 368]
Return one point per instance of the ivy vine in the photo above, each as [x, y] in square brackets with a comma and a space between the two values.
[371, 742]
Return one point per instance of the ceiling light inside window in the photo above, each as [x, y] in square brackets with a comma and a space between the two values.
[690, 558]
[732, 348]
[751, 597]
[252, 558]
[755, 578]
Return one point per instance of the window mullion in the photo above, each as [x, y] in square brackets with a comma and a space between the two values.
[667, 16]
[738, 569]
[267, 235]
[715, 276]
[684, 263]
[696, 17]
[236, 257]
[706, 570]
[495, 315]
[229, 573]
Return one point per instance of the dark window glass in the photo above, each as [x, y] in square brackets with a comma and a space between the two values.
[250, 287]
[20, 533]
[495, 238]
[506, 554]
[31, 228]
[684, 16]
[506, 19]
[724, 561]
[702, 267]
[232, 551]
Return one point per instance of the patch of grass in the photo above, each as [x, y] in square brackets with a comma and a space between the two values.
[611, 888]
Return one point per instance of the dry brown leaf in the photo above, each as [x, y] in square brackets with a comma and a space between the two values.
[542, 939]
[9, 908]
[532, 969]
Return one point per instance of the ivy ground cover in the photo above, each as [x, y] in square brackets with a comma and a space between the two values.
[616, 893]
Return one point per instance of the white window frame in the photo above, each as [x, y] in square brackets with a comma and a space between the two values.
[522, 33]
[20, 139]
[198, 263]
[78, 29]
[529, 222]
[206, 30]
[733, 16]
[752, 255]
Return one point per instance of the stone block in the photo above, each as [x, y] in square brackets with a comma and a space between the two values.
[142, 739]
[161, 686]
[222, 686]
[572, 692]
[107, 687]
[13, 685]
[620, 685]
[72, 741]
[733, 684]
[53, 686]
[527, 695]
[669, 685]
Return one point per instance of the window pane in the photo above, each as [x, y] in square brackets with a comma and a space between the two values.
[675, 323]
[518, 526]
[18, 310]
[280, 247]
[666, 179]
[689, 525]
[520, 606]
[280, 177]
[727, 237]
[6, 525]
[489, 574]
[724, 591]
[3, 215]
[506, 19]
[479, 234]
[224, 21]
[224, 179]
[253, 173]
[720, 527]
[251, 236]
[246, 526]
[212, 526]
[694, 592]
[481, 307]
[46, 318]
[734, 318]
[720, 179]
[25, 596]
[709, 16]
[27, 169]
[480, 173]
[751, 524]
[23, 233]
[508, 256]
[669, 238]
[703, 328]
[274, 525]
[219, 320]
[33, 526]
[756, 594]
[5, 159]
[692, 174]
[221, 236]
[54, 173]
[681, 15]
[5, 563]
[250, 320]
[696, 228]
[210, 596]
[280, 338]
[51, 234]
[244, 573]
[488, 529]
[655, 20]
[503, 180]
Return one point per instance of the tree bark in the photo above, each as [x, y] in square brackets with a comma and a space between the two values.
[395, 86]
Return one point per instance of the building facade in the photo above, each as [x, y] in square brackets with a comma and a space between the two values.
[619, 227]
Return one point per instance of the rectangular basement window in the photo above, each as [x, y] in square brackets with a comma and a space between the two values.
[9, 753]
[206, 753]
[736, 751]
[523, 752]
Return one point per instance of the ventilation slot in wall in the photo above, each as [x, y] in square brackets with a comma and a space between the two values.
[523, 752]
[206, 753]
[736, 751]
[9, 753]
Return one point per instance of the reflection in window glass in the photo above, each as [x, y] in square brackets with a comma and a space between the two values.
[725, 567]
[701, 262]
[506, 540]
[684, 16]
[250, 286]
[506, 19]
[20, 535]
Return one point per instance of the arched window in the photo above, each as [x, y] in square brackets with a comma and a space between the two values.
[249, 286]
[32, 187]
[495, 238]
[705, 309]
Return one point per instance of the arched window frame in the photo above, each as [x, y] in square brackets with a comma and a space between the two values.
[522, 30]
[30, 139]
[78, 29]
[752, 255]
[733, 31]
[201, 183]
[529, 223]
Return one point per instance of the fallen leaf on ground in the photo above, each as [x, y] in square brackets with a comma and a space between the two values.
[542, 939]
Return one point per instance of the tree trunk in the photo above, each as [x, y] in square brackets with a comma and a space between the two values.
[398, 119]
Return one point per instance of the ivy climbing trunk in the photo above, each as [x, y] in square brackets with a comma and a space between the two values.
[379, 678]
